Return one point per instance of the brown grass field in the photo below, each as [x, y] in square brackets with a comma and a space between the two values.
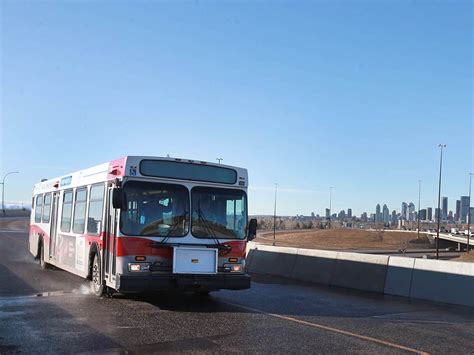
[345, 239]
[466, 257]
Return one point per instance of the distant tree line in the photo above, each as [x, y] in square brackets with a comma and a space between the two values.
[286, 223]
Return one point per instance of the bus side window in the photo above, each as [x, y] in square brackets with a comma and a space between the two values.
[38, 208]
[66, 212]
[46, 208]
[96, 204]
[79, 211]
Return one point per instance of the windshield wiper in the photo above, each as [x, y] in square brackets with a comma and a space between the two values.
[173, 227]
[175, 224]
[209, 230]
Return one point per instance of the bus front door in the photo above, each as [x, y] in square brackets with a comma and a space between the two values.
[54, 226]
[110, 240]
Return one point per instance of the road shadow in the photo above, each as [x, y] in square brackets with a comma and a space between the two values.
[180, 301]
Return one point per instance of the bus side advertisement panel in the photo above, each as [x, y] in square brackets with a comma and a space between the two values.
[67, 250]
[80, 254]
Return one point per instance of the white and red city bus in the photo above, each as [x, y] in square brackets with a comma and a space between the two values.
[146, 223]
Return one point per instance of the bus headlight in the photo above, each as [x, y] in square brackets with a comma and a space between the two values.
[233, 268]
[139, 267]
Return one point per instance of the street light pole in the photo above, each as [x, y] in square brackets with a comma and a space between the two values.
[419, 208]
[441, 146]
[274, 213]
[330, 203]
[469, 214]
[219, 160]
[3, 189]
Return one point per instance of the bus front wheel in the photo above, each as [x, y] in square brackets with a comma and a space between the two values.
[96, 279]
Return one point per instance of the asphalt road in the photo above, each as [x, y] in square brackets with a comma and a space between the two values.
[51, 311]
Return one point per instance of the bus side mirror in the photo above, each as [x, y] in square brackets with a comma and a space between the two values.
[252, 232]
[119, 200]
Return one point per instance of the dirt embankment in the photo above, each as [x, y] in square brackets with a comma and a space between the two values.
[466, 257]
[345, 239]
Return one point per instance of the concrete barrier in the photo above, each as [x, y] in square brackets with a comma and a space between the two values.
[360, 271]
[443, 281]
[249, 255]
[278, 261]
[399, 276]
[434, 280]
[314, 265]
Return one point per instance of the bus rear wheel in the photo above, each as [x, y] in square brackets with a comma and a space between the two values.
[97, 283]
[43, 264]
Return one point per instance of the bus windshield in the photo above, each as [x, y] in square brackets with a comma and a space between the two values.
[155, 209]
[218, 213]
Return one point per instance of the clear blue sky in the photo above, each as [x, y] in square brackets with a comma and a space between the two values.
[350, 94]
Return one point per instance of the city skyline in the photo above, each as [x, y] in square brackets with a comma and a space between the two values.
[409, 212]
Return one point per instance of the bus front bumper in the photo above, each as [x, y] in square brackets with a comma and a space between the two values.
[160, 282]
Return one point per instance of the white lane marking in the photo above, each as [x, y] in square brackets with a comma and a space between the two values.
[12, 231]
[331, 329]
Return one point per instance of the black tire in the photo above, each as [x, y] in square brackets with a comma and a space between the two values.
[97, 284]
[42, 263]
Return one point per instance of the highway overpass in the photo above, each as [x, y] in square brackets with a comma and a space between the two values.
[458, 239]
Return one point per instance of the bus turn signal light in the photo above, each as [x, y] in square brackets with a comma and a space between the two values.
[139, 267]
[233, 268]
[140, 258]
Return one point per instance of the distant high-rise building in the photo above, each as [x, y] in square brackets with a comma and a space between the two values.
[464, 208]
[342, 215]
[444, 209]
[423, 215]
[457, 216]
[327, 213]
[394, 219]
[312, 214]
[411, 211]
[372, 217]
[385, 214]
[429, 214]
[437, 213]
[472, 215]
[378, 215]
[349, 213]
[363, 217]
[450, 216]
[404, 212]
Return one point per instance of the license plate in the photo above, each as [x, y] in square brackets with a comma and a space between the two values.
[187, 260]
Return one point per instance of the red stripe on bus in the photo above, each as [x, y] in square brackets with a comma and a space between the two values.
[95, 238]
[238, 249]
[141, 246]
[34, 229]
